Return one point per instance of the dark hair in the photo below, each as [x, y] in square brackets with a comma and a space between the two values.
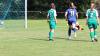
[92, 2]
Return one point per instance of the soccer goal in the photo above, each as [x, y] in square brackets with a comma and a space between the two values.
[13, 13]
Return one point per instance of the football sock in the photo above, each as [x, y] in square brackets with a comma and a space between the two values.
[69, 32]
[95, 32]
[92, 35]
[50, 35]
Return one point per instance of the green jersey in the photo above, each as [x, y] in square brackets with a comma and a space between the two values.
[52, 14]
[92, 18]
[92, 15]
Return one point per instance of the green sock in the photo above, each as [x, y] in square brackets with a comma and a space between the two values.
[95, 33]
[92, 35]
[50, 35]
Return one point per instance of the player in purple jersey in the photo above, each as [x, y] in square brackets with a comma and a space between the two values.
[71, 16]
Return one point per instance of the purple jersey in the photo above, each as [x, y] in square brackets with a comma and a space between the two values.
[71, 14]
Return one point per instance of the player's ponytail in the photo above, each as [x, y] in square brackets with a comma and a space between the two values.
[71, 5]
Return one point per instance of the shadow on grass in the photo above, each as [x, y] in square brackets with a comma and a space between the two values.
[73, 39]
[38, 39]
[54, 38]
[80, 40]
[60, 38]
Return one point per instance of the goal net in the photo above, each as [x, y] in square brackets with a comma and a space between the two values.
[13, 14]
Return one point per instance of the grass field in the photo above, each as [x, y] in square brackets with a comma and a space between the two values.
[17, 41]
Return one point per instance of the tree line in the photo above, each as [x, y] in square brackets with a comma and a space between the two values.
[61, 5]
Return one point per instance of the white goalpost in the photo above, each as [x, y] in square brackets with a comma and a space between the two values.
[14, 12]
[26, 21]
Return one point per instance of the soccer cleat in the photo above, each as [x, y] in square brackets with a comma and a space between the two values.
[96, 40]
[51, 40]
[69, 38]
[92, 41]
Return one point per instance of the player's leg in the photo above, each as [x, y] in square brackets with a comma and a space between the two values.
[92, 34]
[95, 33]
[52, 28]
[74, 28]
[95, 27]
[77, 26]
[69, 30]
[51, 34]
[91, 28]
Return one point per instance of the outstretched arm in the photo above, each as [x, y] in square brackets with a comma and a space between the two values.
[48, 17]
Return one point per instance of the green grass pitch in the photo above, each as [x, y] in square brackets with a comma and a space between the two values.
[17, 41]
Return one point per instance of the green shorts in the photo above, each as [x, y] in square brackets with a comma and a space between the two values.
[52, 24]
[92, 24]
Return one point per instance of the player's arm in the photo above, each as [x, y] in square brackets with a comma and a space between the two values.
[97, 17]
[55, 16]
[66, 15]
[77, 15]
[98, 20]
[48, 17]
[86, 16]
[55, 19]
[86, 20]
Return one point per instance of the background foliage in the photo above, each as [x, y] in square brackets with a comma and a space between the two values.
[61, 6]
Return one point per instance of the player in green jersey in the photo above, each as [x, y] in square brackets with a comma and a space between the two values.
[52, 20]
[92, 21]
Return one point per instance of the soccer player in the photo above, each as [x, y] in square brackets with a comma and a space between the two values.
[52, 20]
[92, 21]
[71, 16]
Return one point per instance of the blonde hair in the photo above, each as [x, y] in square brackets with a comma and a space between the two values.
[72, 5]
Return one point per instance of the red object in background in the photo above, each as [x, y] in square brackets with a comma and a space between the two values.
[79, 28]
[52, 1]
